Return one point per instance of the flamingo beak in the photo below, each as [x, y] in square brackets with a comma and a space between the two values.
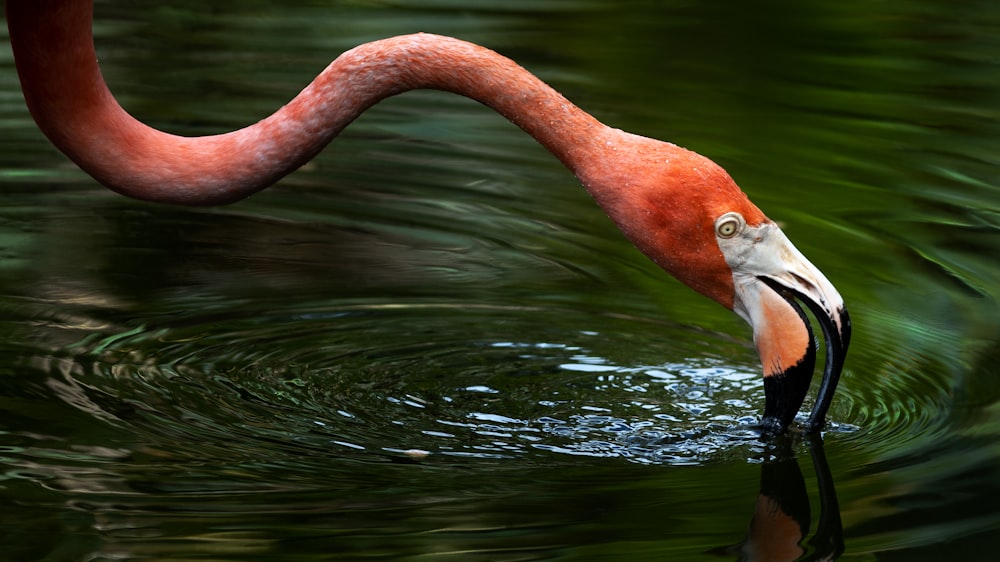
[771, 281]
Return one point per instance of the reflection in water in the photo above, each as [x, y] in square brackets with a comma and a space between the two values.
[779, 529]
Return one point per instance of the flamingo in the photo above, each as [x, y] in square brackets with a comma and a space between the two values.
[677, 207]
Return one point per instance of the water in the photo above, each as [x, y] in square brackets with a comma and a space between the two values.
[430, 344]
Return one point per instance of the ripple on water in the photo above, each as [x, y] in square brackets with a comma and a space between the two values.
[352, 382]
[902, 400]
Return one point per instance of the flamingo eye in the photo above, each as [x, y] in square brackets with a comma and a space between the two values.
[729, 225]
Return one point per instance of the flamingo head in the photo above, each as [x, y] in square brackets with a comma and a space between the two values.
[686, 214]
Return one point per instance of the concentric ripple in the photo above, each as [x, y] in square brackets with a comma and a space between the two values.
[471, 381]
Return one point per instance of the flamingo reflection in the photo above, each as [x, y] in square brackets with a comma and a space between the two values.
[781, 522]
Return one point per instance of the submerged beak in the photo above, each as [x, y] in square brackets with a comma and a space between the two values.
[771, 280]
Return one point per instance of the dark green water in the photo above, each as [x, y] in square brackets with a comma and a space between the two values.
[431, 345]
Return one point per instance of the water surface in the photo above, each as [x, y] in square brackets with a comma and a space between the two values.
[430, 344]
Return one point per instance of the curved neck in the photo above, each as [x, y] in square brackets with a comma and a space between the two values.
[68, 98]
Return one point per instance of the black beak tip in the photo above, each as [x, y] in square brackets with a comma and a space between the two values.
[785, 392]
[836, 353]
